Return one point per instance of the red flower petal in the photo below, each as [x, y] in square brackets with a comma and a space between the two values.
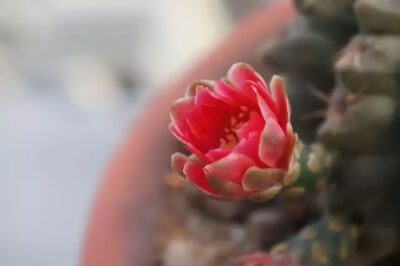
[272, 143]
[191, 90]
[230, 168]
[245, 79]
[226, 189]
[279, 95]
[257, 258]
[255, 124]
[178, 161]
[227, 93]
[205, 123]
[195, 174]
[187, 142]
[265, 259]
[265, 109]
[249, 147]
[178, 113]
[261, 179]
[290, 144]
[232, 96]
[218, 153]
[263, 92]
[207, 98]
[239, 73]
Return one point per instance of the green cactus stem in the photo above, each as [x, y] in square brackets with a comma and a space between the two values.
[306, 48]
[327, 9]
[330, 241]
[370, 63]
[380, 16]
[350, 116]
[307, 173]
[310, 169]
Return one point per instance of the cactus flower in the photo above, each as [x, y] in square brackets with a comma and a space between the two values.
[238, 131]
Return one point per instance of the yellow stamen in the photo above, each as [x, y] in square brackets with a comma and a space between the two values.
[222, 143]
[233, 121]
[231, 140]
[238, 126]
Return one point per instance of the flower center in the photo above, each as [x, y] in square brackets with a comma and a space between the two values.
[237, 121]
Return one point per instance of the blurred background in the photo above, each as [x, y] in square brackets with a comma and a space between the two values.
[73, 75]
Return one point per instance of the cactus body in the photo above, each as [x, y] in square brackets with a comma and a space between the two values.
[361, 69]
[380, 16]
[329, 242]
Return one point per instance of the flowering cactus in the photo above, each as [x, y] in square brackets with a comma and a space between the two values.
[243, 144]
[341, 63]
[238, 132]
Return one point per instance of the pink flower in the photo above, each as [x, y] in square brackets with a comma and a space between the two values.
[264, 259]
[238, 132]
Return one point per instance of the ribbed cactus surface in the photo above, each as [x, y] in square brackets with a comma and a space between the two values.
[355, 45]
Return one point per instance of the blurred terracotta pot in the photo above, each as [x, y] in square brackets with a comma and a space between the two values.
[119, 230]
